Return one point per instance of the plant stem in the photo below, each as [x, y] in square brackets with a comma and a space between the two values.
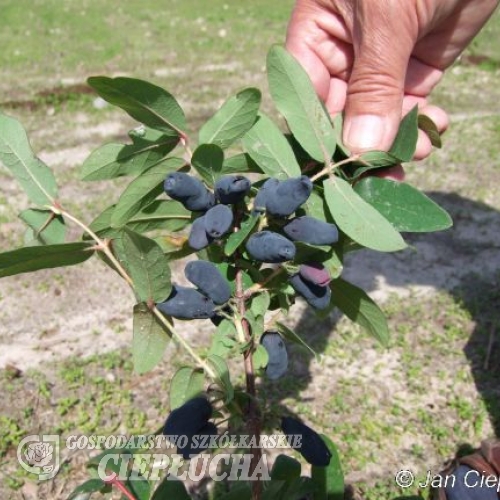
[332, 166]
[253, 411]
[260, 286]
[104, 247]
[208, 370]
[120, 486]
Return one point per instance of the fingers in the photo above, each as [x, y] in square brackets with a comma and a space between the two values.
[376, 86]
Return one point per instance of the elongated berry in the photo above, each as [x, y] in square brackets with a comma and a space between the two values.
[312, 447]
[209, 280]
[189, 190]
[231, 189]
[315, 295]
[187, 303]
[218, 221]
[311, 230]
[195, 442]
[198, 237]
[263, 194]
[289, 195]
[189, 418]
[316, 273]
[266, 246]
[278, 357]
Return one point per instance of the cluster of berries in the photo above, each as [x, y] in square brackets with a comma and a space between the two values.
[278, 199]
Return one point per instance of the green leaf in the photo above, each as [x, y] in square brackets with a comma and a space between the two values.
[139, 487]
[116, 160]
[405, 143]
[48, 228]
[171, 489]
[268, 147]
[223, 380]
[147, 266]
[25, 260]
[240, 164]
[329, 480]
[233, 119]
[143, 190]
[405, 207]
[149, 339]
[260, 357]
[207, 161]
[375, 159]
[235, 240]
[90, 486]
[360, 308]
[285, 468]
[358, 219]
[167, 215]
[297, 100]
[143, 101]
[430, 128]
[290, 335]
[31, 173]
[186, 384]
[223, 340]
[260, 304]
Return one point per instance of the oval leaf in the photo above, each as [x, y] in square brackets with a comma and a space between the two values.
[186, 384]
[171, 489]
[405, 143]
[223, 380]
[405, 207]
[360, 308]
[236, 239]
[143, 101]
[147, 265]
[297, 100]
[268, 147]
[149, 339]
[359, 220]
[16, 154]
[143, 190]
[24, 260]
[207, 160]
[233, 119]
[116, 160]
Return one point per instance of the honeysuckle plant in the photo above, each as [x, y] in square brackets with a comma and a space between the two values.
[264, 217]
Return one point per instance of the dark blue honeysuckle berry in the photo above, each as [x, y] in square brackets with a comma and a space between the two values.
[191, 192]
[312, 448]
[218, 221]
[189, 418]
[288, 196]
[315, 295]
[316, 273]
[278, 356]
[311, 230]
[187, 303]
[231, 189]
[198, 237]
[267, 246]
[209, 280]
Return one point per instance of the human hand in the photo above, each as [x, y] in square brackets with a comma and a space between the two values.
[376, 59]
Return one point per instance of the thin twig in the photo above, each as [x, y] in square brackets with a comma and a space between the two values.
[332, 166]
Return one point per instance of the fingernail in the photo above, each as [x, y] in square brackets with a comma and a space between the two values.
[364, 132]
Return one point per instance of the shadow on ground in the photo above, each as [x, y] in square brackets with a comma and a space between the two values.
[464, 261]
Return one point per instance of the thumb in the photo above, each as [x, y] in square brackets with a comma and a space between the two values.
[383, 39]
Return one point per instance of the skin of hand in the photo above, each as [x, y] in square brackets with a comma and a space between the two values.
[376, 59]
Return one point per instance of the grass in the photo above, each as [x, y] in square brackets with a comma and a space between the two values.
[410, 406]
